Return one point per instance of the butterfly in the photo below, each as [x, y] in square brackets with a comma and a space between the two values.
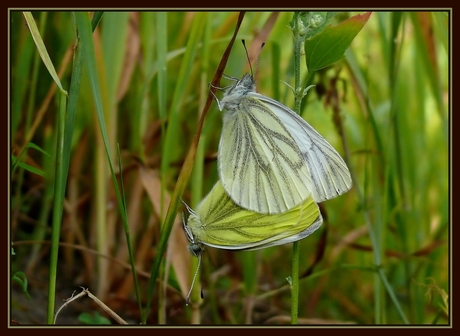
[270, 159]
[219, 222]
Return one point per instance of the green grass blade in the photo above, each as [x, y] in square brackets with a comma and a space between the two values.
[97, 17]
[16, 160]
[59, 193]
[42, 49]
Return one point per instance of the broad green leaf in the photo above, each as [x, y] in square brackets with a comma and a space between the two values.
[330, 45]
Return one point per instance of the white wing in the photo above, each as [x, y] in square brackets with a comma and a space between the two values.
[260, 164]
[330, 174]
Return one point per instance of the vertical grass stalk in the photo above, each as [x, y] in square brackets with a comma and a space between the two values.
[59, 192]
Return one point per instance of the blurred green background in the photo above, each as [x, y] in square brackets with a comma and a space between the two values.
[384, 107]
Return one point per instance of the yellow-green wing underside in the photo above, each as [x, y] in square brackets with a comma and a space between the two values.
[220, 223]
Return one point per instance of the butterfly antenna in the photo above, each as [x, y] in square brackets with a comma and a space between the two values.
[187, 299]
[189, 209]
[257, 58]
[247, 56]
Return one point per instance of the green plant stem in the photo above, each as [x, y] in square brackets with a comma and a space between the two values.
[59, 190]
[297, 85]
[295, 283]
[298, 39]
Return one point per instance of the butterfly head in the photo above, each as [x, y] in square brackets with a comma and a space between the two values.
[234, 93]
[195, 247]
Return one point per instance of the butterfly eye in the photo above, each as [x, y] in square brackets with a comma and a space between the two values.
[195, 249]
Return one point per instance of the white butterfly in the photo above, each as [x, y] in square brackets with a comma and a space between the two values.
[218, 222]
[270, 159]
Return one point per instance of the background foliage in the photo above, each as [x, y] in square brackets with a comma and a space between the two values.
[384, 107]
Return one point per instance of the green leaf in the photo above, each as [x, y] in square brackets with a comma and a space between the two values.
[329, 46]
[31, 169]
[16, 163]
[21, 279]
[95, 20]
[42, 49]
[34, 146]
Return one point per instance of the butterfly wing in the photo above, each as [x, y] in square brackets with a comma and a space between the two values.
[260, 164]
[220, 223]
[330, 174]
